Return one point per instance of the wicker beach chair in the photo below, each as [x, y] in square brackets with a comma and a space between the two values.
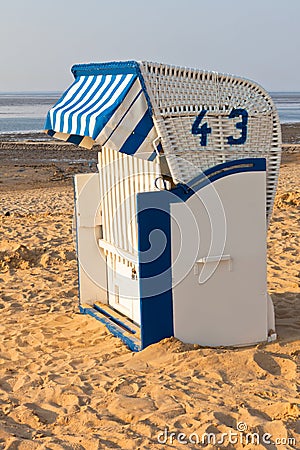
[173, 139]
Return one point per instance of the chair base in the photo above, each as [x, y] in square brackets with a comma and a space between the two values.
[117, 324]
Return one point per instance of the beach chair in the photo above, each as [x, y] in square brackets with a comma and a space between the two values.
[171, 231]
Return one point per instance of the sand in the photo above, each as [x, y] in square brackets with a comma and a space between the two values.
[67, 383]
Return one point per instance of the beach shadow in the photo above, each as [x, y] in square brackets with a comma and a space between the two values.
[257, 413]
[287, 316]
[266, 362]
[19, 430]
[4, 386]
[226, 419]
[45, 416]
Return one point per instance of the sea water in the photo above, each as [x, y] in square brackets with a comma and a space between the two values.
[26, 111]
[288, 106]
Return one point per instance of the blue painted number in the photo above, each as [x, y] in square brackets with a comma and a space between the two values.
[204, 130]
[240, 126]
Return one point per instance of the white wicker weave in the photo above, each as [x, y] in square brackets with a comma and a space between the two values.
[178, 95]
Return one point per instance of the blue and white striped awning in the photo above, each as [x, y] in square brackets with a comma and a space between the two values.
[106, 104]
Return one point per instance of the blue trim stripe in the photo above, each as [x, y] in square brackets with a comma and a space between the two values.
[103, 118]
[76, 104]
[241, 165]
[152, 156]
[67, 96]
[75, 139]
[113, 319]
[65, 101]
[106, 68]
[137, 97]
[96, 103]
[184, 191]
[138, 135]
[50, 132]
[132, 342]
[78, 108]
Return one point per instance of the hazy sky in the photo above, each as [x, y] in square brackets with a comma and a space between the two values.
[257, 39]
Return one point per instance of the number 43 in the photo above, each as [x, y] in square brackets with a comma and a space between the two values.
[204, 130]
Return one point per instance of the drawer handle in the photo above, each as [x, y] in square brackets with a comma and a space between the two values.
[212, 259]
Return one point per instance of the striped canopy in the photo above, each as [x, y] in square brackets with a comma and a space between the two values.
[107, 104]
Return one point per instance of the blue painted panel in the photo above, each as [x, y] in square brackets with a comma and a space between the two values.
[155, 273]
[139, 134]
[75, 139]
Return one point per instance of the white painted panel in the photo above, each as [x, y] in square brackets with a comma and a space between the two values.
[123, 289]
[91, 260]
[229, 306]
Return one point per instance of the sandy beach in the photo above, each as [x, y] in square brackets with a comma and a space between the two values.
[67, 383]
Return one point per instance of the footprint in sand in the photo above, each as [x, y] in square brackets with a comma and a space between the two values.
[125, 387]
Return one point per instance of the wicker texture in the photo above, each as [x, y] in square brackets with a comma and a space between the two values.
[178, 95]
